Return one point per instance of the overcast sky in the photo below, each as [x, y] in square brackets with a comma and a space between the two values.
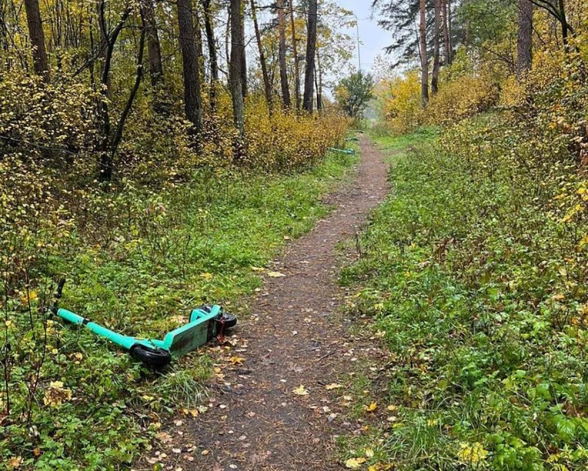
[373, 38]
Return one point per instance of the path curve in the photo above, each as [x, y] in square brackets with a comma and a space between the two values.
[294, 338]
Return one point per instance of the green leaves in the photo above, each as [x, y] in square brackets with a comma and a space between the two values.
[479, 291]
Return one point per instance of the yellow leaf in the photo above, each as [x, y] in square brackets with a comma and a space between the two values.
[369, 452]
[392, 408]
[372, 407]
[206, 276]
[332, 386]
[236, 360]
[300, 391]
[15, 463]
[354, 463]
[275, 274]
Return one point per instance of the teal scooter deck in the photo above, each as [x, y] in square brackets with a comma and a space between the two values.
[206, 323]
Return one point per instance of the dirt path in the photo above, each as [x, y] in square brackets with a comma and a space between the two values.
[295, 337]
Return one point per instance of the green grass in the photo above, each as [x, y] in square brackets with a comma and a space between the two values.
[405, 142]
[152, 257]
[478, 290]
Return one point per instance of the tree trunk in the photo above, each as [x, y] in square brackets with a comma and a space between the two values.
[153, 45]
[190, 64]
[423, 53]
[35, 25]
[295, 52]
[310, 56]
[266, 80]
[319, 85]
[243, 54]
[116, 139]
[105, 166]
[199, 46]
[211, 52]
[282, 56]
[449, 44]
[525, 38]
[436, 37]
[235, 64]
[564, 24]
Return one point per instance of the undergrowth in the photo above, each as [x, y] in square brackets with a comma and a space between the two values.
[142, 260]
[474, 273]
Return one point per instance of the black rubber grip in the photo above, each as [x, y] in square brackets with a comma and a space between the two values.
[60, 286]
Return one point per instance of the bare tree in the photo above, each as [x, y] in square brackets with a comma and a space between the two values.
[35, 26]
[310, 56]
[525, 37]
[190, 64]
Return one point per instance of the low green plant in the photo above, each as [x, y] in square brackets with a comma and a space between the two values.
[69, 400]
[475, 274]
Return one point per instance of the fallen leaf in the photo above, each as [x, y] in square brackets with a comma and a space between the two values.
[192, 412]
[15, 463]
[300, 391]
[332, 386]
[372, 407]
[275, 274]
[392, 408]
[236, 360]
[354, 463]
[369, 452]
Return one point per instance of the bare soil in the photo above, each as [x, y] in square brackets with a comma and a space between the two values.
[259, 417]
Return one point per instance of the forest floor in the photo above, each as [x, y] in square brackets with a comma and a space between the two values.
[282, 392]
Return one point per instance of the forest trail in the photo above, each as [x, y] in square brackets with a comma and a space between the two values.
[295, 337]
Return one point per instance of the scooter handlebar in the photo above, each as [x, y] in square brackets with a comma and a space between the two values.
[57, 296]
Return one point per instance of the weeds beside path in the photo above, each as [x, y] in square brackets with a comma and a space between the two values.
[276, 407]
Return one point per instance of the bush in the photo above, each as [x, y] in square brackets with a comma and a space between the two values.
[477, 278]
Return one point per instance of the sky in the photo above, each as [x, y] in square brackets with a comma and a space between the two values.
[372, 38]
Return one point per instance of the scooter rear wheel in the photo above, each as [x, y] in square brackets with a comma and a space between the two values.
[229, 320]
[154, 357]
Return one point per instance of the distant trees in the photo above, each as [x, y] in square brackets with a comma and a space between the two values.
[191, 51]
[353, 93]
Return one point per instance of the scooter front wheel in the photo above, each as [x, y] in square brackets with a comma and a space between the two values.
[155, 357]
